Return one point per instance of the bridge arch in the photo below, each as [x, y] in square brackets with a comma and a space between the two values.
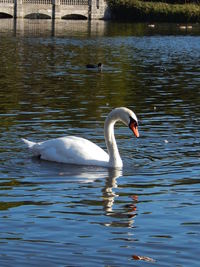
[74, 17]
[37, 16]
[5, 15]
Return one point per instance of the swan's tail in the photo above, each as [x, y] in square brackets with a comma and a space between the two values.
[28, 143]
[34, 147]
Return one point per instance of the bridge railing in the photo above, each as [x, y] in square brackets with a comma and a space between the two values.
[49, 2]
[74, 2]
[6, 1]
[37, 2]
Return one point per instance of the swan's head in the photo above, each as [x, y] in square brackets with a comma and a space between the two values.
[128, 117]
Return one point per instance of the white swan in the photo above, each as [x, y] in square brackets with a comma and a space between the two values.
[80, 151]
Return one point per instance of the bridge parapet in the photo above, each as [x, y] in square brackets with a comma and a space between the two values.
[74, 2]
[6, 2]
[49, 2]
[37, 2]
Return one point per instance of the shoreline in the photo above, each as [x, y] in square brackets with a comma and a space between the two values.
[139, 11]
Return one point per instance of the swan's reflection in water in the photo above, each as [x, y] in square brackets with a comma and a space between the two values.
[108, 192]
[123, 215]
[101, 187]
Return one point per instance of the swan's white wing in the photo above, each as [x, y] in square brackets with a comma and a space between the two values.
[73, 150]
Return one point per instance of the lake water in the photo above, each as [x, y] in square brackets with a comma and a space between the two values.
[61, 215]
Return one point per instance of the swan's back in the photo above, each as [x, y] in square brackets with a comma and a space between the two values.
[72, 150]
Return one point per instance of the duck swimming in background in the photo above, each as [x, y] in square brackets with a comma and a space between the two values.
[80, 151]
[92, 66]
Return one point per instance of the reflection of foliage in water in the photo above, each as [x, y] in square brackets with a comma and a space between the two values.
[44, 79]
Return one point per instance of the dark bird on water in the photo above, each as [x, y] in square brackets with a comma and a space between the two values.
[92, 66]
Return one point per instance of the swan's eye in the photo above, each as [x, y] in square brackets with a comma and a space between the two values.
[133, 123]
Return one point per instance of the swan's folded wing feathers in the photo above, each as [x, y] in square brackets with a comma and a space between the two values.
[71, 149]
[84, 150]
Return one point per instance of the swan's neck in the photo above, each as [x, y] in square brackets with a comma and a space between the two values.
[114, 157]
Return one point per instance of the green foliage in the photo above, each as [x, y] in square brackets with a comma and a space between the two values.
[136, 10]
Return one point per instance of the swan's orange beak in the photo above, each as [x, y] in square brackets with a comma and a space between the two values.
[134, 128]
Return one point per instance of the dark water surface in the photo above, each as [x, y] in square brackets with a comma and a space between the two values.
[59, 215]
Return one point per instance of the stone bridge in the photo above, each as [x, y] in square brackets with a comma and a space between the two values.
[54, 9]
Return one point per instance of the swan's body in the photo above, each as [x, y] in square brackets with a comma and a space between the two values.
[77, 150]
[70, 149]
